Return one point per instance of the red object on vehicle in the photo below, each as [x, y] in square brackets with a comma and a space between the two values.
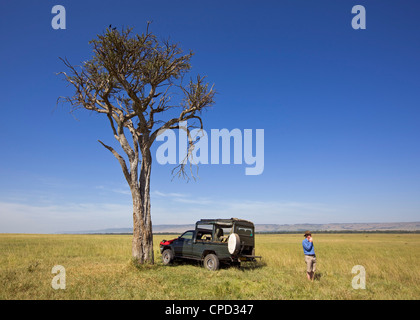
[167, 242]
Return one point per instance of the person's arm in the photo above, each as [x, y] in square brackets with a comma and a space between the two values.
[307, 245]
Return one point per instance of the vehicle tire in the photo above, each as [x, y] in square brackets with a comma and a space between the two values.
[234, 243]
[167, 257]
[211, 262]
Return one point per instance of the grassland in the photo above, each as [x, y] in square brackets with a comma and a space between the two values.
[99, 267]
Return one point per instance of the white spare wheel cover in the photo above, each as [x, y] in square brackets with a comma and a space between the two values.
[234, 243]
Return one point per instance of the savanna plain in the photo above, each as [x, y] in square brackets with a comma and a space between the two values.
[100, 267]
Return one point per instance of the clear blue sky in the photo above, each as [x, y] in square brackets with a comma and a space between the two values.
[340, 109]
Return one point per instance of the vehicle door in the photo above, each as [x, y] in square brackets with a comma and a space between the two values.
[183, 245]
[204, 239]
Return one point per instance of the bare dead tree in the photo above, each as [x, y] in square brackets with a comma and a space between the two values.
[131, 79]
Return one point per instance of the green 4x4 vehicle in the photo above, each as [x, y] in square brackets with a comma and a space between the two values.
[213, 241]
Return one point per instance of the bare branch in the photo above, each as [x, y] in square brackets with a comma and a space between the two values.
[197, 97]
[120, 160]
[131, 78]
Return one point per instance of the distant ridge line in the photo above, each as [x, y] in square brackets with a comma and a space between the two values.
[277, 228]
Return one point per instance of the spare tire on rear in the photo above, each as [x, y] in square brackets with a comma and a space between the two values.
[234, 243]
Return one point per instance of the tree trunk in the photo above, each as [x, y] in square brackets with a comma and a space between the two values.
[142, 248]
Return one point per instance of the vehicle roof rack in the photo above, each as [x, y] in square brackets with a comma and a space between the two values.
[224, 220]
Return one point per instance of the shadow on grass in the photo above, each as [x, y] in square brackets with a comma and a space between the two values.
[146, 266]
[252, 265]
[244, 266]
[317, 276]
[159, 265]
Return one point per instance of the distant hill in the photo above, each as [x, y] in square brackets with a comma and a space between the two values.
[394, 226]
[351, 227]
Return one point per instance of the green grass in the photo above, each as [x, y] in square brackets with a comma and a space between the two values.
[100, 267]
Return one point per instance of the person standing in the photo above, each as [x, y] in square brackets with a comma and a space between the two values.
[310, 258]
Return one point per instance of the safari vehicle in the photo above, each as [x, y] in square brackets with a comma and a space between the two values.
[214, 241]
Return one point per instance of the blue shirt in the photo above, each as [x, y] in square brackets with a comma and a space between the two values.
[308, 247]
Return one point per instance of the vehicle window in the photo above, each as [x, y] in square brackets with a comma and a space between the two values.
[187, 235]
[222, 233]
[244, 231]
[207, 227]
[205, 232]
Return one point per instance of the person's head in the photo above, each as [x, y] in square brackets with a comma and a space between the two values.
[307, 234]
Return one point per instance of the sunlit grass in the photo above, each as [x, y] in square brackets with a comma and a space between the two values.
[100, 267]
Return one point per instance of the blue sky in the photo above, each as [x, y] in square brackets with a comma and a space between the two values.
[339, 108]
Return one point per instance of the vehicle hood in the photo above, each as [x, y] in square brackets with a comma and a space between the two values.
[167, 242]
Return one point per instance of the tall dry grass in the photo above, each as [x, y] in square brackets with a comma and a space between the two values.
[100, 267]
